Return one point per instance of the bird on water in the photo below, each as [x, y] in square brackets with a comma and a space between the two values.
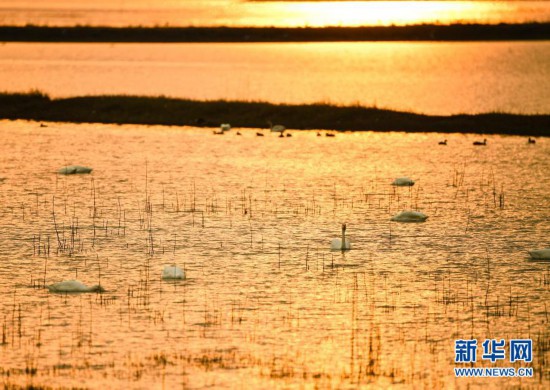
[341, 244]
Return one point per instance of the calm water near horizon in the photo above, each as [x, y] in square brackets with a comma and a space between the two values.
[266, 304]
[266, 13]
[424, 77]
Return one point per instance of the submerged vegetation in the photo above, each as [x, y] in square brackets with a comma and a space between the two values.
[265, 303]
[183, 112]
[423, 32]
[380, 332]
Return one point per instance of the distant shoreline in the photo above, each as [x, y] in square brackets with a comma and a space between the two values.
[181, 112]
[423, 32]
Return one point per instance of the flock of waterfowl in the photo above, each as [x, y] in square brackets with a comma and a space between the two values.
[225, 127]
[484, 142]
[170, 272]
[173, 272]
[417, 216]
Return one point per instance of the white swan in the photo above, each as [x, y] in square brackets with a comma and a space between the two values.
[172, 272]
[540, 254]
[410, 216]
[403, 182]
[74, 286]
[342, 244]
[276, 128]
[74, 169]
[225, 127]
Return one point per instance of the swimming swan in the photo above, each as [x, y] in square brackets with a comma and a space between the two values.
[403, 182]
[74, 286]
[410, 216]
[342, 244]
[540, 254]
[172, 272]
[74, 169]
[276, 128]
[225, 127]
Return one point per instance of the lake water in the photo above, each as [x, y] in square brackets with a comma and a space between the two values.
[266, 13]
[425, 77]
[266, 304]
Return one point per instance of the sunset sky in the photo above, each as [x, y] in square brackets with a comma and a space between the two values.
[267, 13]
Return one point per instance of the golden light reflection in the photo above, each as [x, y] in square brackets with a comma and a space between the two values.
[356, 13]
[233, 13]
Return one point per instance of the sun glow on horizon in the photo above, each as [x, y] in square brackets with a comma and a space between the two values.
[337, 13]
[242, 13]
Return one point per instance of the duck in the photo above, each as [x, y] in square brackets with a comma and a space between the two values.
[330, 135]
[74, 286]
[173, 272]
[74, 169]
[540, 254]
[341, 244]
[443, 142]
[478, 143]
[531, 141]
[260, 134]
[238, 133]
[403, 182]
[409, 216]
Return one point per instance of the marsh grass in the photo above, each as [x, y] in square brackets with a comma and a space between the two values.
[361, 311]
[421, 32]
[181, 112]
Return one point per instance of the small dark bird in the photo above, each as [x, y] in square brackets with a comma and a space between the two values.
[260, 134]
[43, 125]
[531, 141]
[443, 142]
[288, 135]
[238, 133]
[477, 143]
[318, 134]
[330, 135]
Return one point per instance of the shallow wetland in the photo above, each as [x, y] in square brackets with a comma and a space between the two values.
[266, 303]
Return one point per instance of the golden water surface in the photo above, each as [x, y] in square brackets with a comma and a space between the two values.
[266, 304]
[425, 77]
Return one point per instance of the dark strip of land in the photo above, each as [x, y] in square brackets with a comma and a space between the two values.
[424, 32]
[181, 112]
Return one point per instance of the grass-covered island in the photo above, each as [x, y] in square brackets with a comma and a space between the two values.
[181, 112]
[422, 32]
